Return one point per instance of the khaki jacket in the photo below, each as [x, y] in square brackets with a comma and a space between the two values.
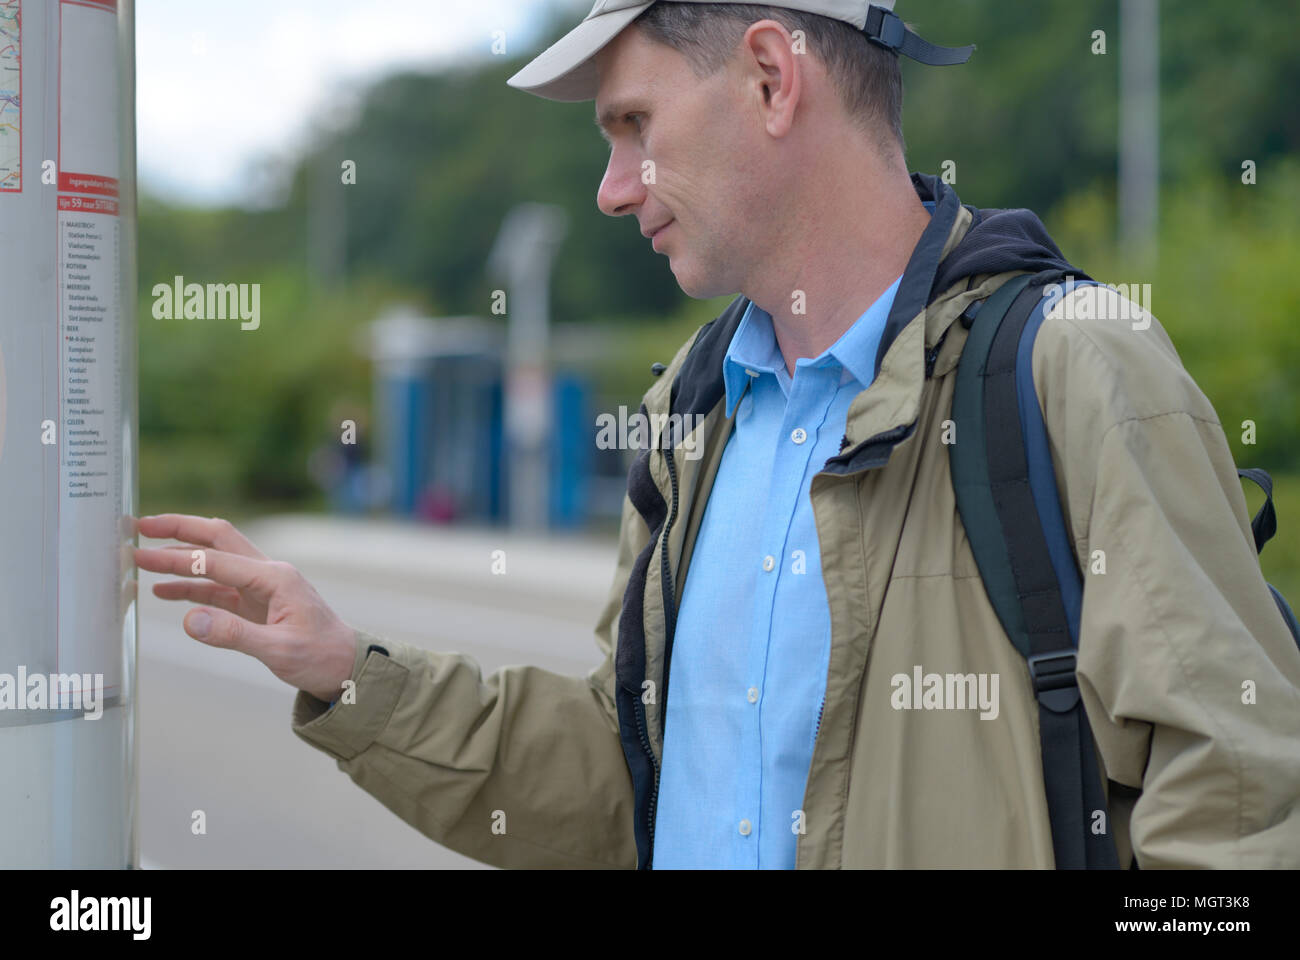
[1189, 676]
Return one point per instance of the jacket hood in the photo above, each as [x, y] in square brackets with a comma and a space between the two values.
[997, 241]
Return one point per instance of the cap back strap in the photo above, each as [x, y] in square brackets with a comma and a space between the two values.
[885, 29]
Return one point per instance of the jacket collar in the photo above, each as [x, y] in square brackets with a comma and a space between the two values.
[940, 236]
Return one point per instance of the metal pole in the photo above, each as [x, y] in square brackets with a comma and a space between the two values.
[68, 428]
[1139, 130]
[525, 249]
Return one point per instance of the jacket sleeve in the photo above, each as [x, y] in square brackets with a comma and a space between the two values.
[1188, 673]
[522, 769]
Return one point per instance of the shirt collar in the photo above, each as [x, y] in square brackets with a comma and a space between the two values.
[754, 350]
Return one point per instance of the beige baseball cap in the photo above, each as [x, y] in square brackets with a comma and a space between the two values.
[566, 70]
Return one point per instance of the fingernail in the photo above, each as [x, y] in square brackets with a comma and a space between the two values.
[200, 624]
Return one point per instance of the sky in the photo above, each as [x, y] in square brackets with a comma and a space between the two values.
[227, 90]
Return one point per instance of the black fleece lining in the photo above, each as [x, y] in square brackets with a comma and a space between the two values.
[699, 386]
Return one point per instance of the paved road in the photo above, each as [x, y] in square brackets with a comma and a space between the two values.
[214, 725]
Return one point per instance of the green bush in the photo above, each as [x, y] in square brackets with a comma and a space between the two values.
[231, 416]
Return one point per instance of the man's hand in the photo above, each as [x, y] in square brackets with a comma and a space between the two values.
[264, 607]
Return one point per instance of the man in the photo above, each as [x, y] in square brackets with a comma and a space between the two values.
[779, 585]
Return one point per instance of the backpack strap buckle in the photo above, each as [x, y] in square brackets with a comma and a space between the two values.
[1053, 676]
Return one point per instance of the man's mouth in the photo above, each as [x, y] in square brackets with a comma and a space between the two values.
[654, 235]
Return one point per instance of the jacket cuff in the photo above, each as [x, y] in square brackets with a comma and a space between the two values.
[347, 729]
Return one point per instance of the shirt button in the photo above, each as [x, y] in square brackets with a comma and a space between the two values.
[753, 694]
[769, 562]
[745, 828]
[798, 436]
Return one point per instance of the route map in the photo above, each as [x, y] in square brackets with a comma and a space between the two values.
[10, 92]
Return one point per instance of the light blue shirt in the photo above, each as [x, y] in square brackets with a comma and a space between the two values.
[752, 642]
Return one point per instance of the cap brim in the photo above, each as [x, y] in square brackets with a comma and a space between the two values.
[566, 70]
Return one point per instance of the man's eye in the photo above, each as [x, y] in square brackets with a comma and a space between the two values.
[635, 119]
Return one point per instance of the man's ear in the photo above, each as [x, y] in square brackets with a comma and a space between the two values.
[776, 71]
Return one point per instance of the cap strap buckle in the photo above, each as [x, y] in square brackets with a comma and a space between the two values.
[885, 29]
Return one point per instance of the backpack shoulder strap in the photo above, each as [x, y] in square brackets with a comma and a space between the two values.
[968, 462]
[1264, 526]
[1006, 494]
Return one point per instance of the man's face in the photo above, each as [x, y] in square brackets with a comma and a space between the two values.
[680, 159]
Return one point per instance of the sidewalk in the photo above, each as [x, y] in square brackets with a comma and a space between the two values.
[551, 571]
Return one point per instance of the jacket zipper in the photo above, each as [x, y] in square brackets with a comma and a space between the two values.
[932, 356]
[654, 794]
[670, 618]
[817, 728]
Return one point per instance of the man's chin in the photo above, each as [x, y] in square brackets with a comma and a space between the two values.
[694, 286]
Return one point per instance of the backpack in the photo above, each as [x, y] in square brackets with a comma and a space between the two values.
[1007, 498]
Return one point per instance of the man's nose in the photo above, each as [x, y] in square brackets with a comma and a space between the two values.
[621, 190]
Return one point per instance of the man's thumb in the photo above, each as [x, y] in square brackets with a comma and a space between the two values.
[219, 628]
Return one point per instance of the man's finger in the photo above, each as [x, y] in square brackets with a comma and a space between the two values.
[212, 532]
[199, 591]
[258, 577]
[218, 628]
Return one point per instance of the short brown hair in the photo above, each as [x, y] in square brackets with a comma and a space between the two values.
[867, 76]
